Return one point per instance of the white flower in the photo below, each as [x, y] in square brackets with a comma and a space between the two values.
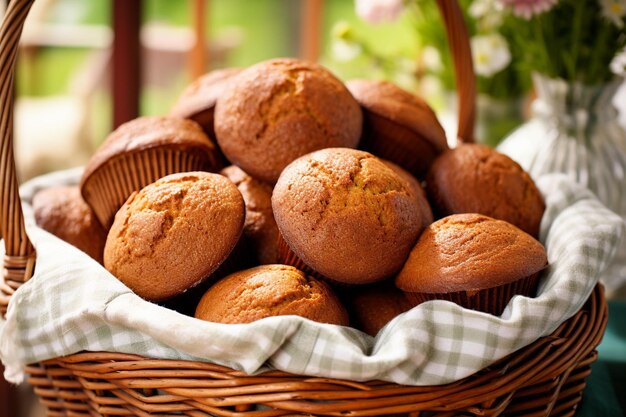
[490, 54]
[479, 8]
[528, 8]
[343, 50]
[376, 11]
[489, 14]
[482, 8]
[431, 58]
[618, 65]
[614, 10]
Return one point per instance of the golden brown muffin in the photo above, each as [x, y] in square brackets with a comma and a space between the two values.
[473, 260]
[398, 125]
[416, 187]
[279, 110]
[347, 215]
[260, 227]
[174, 233]
[372, 307]
[62, 211]
[197, 102]
[186, 302]
[477, 179]
[140, 152]
[270, 290]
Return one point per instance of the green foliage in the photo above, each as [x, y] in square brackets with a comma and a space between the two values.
[48, 71]
[385, 47]
[511, 82]
[572, 41]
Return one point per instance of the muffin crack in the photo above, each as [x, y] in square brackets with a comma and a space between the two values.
[357, 190]
[279, 303]
[321, 126]
[279, 92]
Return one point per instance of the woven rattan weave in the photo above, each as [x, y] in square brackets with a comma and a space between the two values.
[545, 378]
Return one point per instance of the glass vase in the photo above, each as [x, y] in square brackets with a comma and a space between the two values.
[497, 117]
[575, 130]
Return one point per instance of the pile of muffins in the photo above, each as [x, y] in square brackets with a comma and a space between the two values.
[278, 190]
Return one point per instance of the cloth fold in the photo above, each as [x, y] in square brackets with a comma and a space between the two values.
[73, 304]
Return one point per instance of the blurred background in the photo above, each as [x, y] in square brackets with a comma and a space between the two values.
[86, 66]
[67, 85]
[64, 85]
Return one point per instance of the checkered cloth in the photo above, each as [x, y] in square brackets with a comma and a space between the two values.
[72, 304]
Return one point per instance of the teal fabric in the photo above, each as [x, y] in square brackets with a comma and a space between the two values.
[613, 346]
[605, 394]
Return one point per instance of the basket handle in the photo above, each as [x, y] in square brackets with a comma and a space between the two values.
[458, 39]
[19, 260]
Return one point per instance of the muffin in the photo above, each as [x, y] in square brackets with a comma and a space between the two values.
[270, 290]
[62, 211]
[346, 215]
[279, 110]
[472, 260]
[417, 189]
[140, 152]
[371, 307]
[260, 228]
[398, 125]
[197, 102]
[174, 233]
[477, 179]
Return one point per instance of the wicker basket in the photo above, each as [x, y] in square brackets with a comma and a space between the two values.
[545, 378]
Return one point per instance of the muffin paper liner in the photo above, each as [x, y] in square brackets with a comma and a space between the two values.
[109, 187]
[287, 257]
[490, 300]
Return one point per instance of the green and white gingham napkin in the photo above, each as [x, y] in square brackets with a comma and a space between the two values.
[72, 304]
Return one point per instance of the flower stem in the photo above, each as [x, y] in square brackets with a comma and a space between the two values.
[597, 56]
[543, 55]
[575, 43]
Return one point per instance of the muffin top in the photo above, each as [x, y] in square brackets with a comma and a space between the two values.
[347, 215]
[474, 178]
[147, 133]
[260, 227]
[270, 290]
[278, 110]
[62, 211]
[416, 188]
[203, 93]
[469, 252]
[392, 102]
[174, 233]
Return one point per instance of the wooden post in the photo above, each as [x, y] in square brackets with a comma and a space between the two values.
[311, 27]
[199, 57]
[126, 60]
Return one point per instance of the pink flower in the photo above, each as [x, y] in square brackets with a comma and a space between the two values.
[376, 11]
[529, 8]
